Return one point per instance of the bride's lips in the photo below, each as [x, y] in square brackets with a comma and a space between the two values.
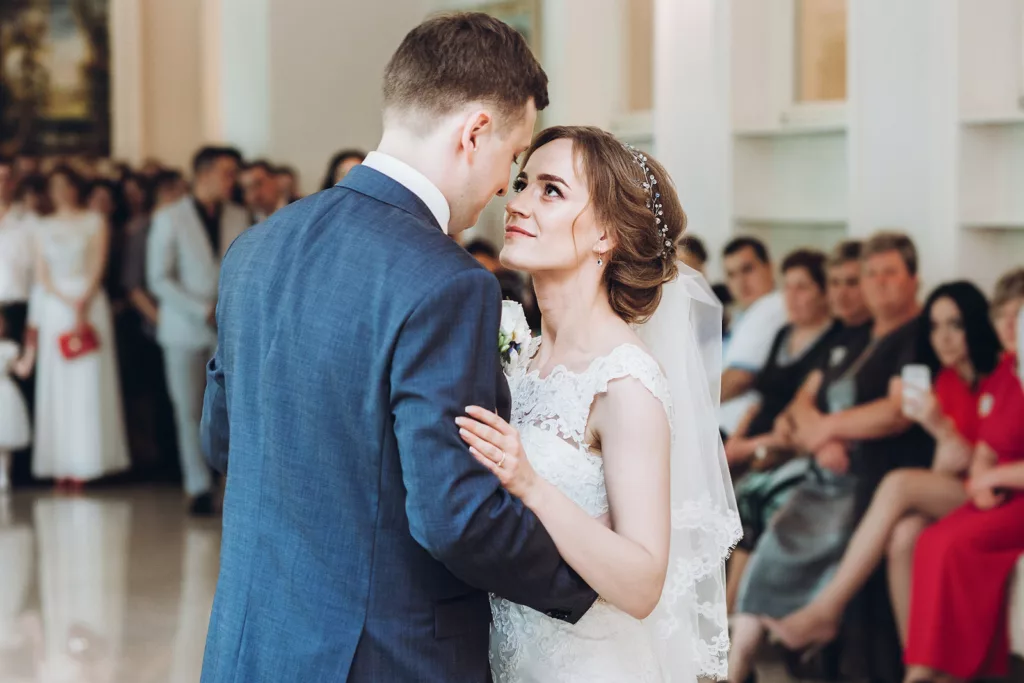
[516, 230]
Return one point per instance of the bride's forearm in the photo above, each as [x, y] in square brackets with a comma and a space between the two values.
[621, 571]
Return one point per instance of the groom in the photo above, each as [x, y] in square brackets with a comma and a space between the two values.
[360, 536]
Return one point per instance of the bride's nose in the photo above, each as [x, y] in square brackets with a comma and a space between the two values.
[516, 206]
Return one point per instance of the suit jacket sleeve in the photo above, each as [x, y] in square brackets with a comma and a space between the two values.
[162, 270]
[214, 426]
[445, 359]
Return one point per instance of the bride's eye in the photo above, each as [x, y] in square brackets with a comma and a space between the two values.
[551, 190]
[518, 185]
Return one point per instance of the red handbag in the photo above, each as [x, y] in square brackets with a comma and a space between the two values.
[79, 342]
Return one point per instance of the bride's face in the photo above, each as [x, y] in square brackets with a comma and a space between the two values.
[549, 223]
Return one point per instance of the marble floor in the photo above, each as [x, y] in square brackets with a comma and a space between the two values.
[111, 587]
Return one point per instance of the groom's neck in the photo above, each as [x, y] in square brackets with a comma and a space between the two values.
[422, 152]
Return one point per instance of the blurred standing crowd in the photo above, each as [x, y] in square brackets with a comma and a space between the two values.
[108, 282]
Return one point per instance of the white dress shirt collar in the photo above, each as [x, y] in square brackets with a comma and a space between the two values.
[415, 182]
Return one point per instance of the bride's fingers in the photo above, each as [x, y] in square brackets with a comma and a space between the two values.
[488, 463]
[489, 418]
[486, 433]
[486, 448]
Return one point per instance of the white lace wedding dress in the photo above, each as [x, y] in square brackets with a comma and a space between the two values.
[551, 414]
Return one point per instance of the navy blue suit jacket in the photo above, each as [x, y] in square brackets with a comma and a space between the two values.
[360, 537]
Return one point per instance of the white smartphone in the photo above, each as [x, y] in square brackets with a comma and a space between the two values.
[917, 381]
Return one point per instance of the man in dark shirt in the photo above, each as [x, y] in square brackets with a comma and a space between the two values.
[850, 422]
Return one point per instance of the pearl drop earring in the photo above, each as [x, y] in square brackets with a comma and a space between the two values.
[600, 261]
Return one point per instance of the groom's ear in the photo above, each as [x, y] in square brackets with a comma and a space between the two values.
[476, 126]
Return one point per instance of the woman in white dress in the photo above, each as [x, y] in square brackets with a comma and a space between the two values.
[79, 434]
[613, 442]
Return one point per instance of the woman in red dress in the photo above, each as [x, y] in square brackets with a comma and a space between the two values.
[962, 564]
[962, 342]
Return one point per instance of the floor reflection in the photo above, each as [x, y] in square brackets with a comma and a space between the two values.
[112, 588]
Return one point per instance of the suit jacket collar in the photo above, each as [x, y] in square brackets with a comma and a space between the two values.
[374, 184]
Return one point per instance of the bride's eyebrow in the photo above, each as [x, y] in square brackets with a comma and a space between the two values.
[552, 179]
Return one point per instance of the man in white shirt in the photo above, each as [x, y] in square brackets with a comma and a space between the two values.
[760, 314]
[16, 257]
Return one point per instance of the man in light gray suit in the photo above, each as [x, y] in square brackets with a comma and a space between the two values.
[186, 244]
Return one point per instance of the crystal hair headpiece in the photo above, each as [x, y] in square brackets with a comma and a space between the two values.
[650, 185]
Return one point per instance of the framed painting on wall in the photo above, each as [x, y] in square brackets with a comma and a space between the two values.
[522, 15]
[54, 77]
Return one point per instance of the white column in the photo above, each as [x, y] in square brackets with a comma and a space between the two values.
[903, 125]
[582, 43]
[692, 129]
[127, 83]
[236, 90]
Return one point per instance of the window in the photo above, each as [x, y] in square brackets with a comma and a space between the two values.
[639, 49]
[820, 51]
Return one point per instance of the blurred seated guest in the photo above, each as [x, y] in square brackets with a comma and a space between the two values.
[1008, 307]
[287, 185]
[759, 314]
[260, 191]
[963, 563]
[722, 292]
[186, 244]
[847, 419]
[961, 345]
[692, 252]
[799, 348]
[79, 425]
[486, 254]
[341, 163]
[845, 296]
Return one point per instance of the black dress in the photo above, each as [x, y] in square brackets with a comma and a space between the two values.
[759, 495]
[778, 381]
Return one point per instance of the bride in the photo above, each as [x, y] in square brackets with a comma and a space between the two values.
[613, 442]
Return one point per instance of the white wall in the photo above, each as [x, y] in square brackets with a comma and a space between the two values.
[326, 62]
[238, 89]
[692, 112]
[294, 80]
[172, 112]
[902, 125]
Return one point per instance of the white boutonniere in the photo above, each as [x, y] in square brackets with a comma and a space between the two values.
[513, 335]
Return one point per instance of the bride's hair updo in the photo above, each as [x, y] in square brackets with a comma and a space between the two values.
[626, 203]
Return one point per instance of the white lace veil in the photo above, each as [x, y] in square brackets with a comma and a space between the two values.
[690, 623]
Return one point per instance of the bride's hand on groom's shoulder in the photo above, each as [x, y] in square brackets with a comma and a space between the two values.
[496, 445]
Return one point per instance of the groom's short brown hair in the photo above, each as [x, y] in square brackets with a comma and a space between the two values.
[453, 59]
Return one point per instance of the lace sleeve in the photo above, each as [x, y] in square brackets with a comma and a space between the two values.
[629, 360]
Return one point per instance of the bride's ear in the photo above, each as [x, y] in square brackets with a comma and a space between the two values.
[605, 243]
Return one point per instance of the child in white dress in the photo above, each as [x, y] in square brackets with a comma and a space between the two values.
[15, 432]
